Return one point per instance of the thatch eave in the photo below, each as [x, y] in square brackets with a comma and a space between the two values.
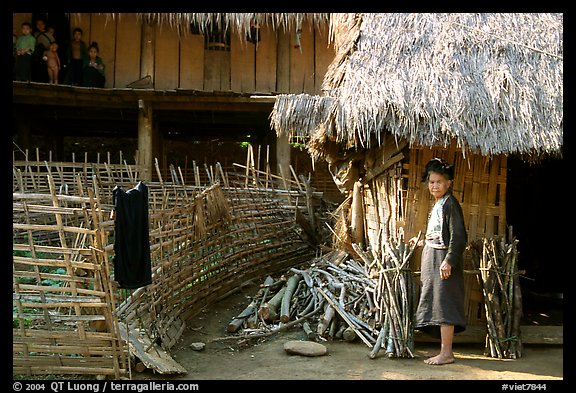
[237, 22]
[491, 82]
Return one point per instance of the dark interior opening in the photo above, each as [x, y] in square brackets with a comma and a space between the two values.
[540, 220]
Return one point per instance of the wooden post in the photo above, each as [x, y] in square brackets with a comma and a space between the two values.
[145, 140]
[283, 155]
[147, 51]
[357, 213]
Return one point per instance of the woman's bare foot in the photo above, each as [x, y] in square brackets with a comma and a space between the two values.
[440, 359]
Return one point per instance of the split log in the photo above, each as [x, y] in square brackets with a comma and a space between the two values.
[287, 298]
[237, 322]
[345, 316]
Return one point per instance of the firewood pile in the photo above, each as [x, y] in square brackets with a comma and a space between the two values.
[497, 262]
[340, 297]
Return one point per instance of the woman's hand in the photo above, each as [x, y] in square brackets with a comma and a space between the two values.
[445, 270]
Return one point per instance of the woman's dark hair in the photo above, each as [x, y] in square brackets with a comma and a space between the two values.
[77, 29]
[438, 165]
[94, 44]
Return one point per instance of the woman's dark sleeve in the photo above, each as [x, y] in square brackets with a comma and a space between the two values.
[458, 236]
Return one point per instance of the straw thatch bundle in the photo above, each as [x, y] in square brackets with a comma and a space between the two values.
[492, 82]
[239, 23]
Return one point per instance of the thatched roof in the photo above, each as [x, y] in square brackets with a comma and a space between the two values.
[237, 22]
[492, 82]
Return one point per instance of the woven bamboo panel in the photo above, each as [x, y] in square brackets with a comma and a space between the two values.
[63, 308]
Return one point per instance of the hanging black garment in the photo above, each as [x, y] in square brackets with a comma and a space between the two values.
[132, 265]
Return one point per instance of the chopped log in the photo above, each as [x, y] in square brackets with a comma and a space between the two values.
[140, 367]
[345, 316]
[273, 331]
[348, 334]
[268, 310]
[234, 325]
[249, 311]
[378, 345]
[287, 298]
[357, 214]
[310, 334]
[329, 313]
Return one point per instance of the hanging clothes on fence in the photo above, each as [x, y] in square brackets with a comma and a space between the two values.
[132, 264]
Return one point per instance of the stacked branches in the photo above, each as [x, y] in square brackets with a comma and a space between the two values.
[499, 280]
[371, 298]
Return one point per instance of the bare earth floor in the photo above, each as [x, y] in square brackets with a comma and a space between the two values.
[267, 360]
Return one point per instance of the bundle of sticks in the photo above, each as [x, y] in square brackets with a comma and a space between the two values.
[499, 280]
[367, 297]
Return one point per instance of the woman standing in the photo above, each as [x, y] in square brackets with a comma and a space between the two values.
[440, 311]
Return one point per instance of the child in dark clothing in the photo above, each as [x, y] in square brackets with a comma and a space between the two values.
[25, 45]
[93, 70]
[77, 54]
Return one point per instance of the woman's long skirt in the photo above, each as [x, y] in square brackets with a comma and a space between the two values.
[441, 301]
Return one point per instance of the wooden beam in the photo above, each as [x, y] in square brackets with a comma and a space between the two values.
[74, 96]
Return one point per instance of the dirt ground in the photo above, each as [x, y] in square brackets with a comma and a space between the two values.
[227, 359]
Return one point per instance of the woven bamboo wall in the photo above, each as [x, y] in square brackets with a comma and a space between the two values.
[205, 242]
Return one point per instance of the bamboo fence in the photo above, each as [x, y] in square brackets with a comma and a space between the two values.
[205, 240]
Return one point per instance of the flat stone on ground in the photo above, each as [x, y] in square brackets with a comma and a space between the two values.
[305, 348]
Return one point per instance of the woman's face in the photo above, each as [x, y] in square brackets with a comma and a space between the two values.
[93, 52]
[438, 184]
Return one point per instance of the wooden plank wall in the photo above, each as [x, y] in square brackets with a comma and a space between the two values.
[128, 36]
[266, 55]
[166, 58]
[192, 62]
[281, 62]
